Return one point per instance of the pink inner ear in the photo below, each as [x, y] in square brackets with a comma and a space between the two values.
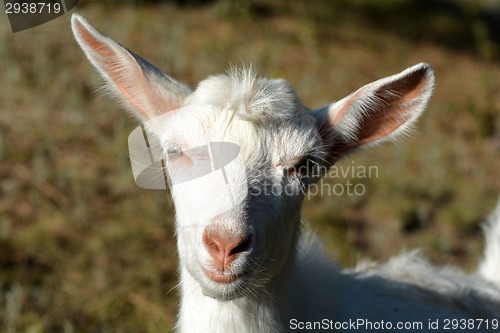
[389, 107]
[107, 58]
[376, 111]
[377, 128]
[123, 70]
[92, 42]
[397, 102]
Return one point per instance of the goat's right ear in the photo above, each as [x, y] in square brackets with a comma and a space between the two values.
[144, 89]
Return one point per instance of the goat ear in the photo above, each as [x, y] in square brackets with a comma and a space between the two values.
[144, 89]
[376, 112]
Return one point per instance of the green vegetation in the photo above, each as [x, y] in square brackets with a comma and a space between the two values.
[82, 249]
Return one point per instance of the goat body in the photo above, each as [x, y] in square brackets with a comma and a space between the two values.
[246, 265]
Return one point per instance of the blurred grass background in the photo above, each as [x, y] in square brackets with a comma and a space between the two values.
[82, 249]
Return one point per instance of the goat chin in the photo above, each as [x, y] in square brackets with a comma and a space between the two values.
[224, 292]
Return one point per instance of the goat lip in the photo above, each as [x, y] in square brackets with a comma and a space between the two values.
[222, 278]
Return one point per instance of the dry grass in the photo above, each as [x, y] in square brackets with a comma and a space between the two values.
[83, 250]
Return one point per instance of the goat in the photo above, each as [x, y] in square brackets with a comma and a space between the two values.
[246, 265]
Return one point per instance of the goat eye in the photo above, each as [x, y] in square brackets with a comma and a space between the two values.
[305, 169]
[174, 151]
[299, 169]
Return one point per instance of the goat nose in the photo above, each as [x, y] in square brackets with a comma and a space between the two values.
[223, 247]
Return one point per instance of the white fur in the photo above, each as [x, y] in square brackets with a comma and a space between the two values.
[490, 267]
[285, 278]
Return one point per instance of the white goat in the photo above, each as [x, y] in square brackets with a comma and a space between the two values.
[245, 266]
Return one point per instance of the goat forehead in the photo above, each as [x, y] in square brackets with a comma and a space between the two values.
[184, 126]
[249, 98]
[262, 116]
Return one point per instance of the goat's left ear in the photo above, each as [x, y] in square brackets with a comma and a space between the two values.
[376, 112]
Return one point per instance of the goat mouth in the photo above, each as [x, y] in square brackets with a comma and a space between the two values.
[223, 278]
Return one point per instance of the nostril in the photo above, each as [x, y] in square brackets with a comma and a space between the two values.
[224, 247]
[213, 247]
[214, 244]
[242, 246]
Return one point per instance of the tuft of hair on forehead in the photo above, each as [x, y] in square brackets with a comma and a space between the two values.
[247, 97]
